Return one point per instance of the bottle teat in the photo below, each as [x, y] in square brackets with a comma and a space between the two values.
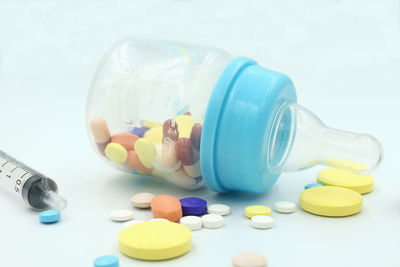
[300, 140]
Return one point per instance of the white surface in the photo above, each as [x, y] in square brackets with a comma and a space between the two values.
[343, 57]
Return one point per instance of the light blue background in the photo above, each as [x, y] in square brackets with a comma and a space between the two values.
[343, 57]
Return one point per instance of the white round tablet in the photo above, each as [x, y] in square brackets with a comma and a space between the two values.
[121, 215]
[262, 221]
[285, 207]
[159, 219]
[191, 222]
[142, 200]
[212, 221]
[219, 209]
[131, 222]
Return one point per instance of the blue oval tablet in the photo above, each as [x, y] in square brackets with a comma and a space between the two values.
[308, 186]
[106, 261]
[193, 206]
[49, 216]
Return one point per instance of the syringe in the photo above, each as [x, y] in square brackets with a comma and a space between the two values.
[37, 190]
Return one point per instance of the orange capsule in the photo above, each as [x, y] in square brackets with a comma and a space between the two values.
[127, 140]
[166, 207]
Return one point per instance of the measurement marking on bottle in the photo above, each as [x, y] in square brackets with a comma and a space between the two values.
[15, 168]
[5, 163]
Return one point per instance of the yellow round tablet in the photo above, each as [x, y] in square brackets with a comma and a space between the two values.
[360, 183]
[146, 152]
[331, 201]
[251, 211]
[155, 240]
[154, 135]
[116, 152]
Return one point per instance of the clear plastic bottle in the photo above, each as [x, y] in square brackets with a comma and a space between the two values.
[191, 114]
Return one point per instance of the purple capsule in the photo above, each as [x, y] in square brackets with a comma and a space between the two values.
[193, 206]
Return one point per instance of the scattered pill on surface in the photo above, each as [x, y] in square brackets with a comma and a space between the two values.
[49, 216]
[285, 207]
[331, 201]
[167, 207]
[146, 152]
[131, 222]
[154, 135]
[251, 211]
[116, 152]
[262, 221]
[142, 200]
[193, 206]
[308, 186]
[360, 183]
[106, 261]
[212, 221]
[191, 222]
[100, 131]
[159, 219]
[135, 163]
[156, 240]
[125, 139]
[249, 259]
[121, 215]
[219, 209]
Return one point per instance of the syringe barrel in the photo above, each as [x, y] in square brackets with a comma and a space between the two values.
[24, 182]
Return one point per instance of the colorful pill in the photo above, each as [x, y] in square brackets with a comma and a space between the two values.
[127, 140]
[169, 159]
[142, 200]
[185, 125]
[308, 186]
[154, 135]
[251, 211]
[134, 162]
[145, 151]
[189, 157]
[360, 183]
[116, 152]
[49, 216]
[155, 240]
[193, 206]
[106, 261]
[166, 207]
[331, 201]
[100, 131]
[139, 131]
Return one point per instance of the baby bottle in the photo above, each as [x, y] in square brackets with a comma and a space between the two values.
[193, 115]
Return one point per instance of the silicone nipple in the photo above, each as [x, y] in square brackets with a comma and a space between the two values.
[300, 140]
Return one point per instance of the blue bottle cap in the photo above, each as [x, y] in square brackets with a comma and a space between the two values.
[237, 126]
